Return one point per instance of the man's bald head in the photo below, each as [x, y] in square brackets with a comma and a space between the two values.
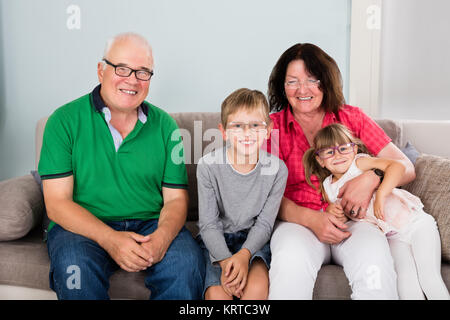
[126, 37]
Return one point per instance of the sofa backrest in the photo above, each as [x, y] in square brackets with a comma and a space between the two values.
[426, 136]
[195, 141]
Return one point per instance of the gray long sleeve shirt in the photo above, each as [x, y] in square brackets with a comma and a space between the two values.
[229, 201]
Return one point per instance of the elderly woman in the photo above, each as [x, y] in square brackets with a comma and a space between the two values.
[305, 92]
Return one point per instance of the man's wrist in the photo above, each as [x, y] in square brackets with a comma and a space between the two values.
[104, 237]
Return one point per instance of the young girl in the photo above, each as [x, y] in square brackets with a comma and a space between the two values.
[337, 157]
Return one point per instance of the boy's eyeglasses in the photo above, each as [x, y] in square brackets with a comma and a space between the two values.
[255, 126]
[326, 153]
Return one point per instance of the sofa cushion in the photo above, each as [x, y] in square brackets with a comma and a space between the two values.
[45, 219]
[200, 135]
[411, 152]
[21, 207]
[25, 263]
[432, 186]
[392, 129]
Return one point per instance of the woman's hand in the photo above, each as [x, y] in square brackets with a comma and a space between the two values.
[355, 194]
[327, 227]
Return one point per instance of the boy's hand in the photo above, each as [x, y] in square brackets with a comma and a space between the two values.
[223, 279]
[337, 210]
[378, 207]
[236, 271]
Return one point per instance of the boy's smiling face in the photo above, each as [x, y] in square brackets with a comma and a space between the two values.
[245, 143]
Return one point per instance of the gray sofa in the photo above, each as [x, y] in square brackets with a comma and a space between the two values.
[24, 263]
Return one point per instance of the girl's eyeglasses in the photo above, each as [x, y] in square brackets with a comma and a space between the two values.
[326, 153]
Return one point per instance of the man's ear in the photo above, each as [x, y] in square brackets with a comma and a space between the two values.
[223, 131]
[100, 71]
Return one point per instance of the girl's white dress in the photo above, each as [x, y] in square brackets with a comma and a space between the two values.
[402, 210]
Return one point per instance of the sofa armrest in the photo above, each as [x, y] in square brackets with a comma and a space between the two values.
[21, 207]
[433, 188]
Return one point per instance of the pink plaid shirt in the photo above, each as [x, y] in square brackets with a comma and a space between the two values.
[293, 144]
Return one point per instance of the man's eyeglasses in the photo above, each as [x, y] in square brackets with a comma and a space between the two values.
[326, 153]
[295, 84]
[122, 71]
[255, 126]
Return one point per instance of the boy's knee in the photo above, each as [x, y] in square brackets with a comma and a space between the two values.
[257, 291]
[216, 293]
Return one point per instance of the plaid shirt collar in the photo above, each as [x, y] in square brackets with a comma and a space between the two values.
[329, 118]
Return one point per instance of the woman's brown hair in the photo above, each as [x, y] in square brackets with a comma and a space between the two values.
[320, 65]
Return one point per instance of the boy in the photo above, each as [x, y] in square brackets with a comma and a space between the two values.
[239, 188]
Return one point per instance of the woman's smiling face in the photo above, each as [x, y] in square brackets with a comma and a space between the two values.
[306, 97]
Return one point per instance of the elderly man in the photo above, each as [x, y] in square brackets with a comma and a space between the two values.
[115, 196]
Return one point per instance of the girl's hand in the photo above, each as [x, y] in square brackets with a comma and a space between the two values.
[337, 210]
[378, 207]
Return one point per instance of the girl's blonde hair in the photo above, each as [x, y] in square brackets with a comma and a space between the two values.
[329, 136]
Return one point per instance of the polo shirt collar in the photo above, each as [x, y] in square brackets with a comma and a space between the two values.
[99, 105]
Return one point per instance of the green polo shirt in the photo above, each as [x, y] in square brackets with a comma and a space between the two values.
[113, 185]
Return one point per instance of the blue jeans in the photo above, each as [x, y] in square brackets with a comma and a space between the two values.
[234, 242]
[80, 268]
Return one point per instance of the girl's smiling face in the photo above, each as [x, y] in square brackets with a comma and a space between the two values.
[338, 159]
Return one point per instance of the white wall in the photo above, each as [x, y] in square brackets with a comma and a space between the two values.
[204, 49]
[415, 60]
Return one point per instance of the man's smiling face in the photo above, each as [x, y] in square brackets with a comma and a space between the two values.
[125, 93]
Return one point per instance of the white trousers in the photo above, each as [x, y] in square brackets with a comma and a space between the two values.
[297, 256]
[418, 264]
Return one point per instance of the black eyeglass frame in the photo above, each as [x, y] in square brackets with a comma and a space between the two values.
[115, 66]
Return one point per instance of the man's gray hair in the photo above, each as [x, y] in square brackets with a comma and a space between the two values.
[123, 36]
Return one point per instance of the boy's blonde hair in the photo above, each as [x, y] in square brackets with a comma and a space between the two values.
[245, 99]
[327, 137]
